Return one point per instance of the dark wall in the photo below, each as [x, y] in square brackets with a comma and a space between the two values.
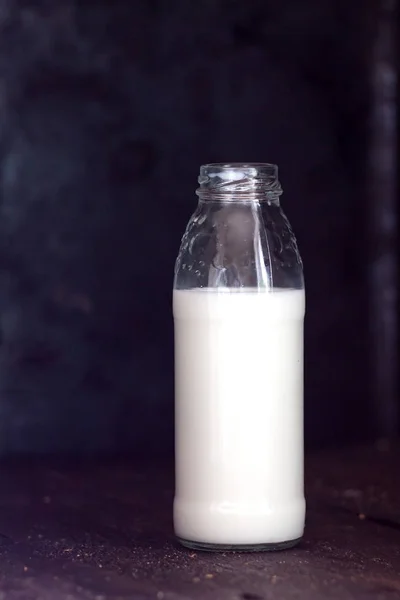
[107, 111]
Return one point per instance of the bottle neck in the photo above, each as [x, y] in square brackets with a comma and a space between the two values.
[249, 198]
[239, 183]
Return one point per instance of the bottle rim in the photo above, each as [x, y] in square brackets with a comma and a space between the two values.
[250, 179]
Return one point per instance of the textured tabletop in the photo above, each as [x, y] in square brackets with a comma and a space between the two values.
[103, 531]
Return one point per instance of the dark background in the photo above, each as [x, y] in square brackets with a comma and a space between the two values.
[107, 111]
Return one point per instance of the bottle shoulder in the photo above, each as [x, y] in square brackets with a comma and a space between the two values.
[238, 245]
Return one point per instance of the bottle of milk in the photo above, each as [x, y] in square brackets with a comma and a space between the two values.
[238, 304]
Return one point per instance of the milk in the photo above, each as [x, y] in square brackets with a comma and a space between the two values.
[239, 416]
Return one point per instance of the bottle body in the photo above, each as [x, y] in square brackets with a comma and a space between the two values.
[238, 382]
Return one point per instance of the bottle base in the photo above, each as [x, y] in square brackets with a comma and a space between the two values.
[270, 547]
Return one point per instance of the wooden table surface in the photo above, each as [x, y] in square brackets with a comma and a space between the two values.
[103, 531]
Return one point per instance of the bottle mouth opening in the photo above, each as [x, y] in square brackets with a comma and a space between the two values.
[224, 179]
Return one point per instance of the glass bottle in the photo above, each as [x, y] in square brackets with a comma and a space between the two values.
[238, 304]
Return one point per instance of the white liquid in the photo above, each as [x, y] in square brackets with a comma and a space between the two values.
[239, 416]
